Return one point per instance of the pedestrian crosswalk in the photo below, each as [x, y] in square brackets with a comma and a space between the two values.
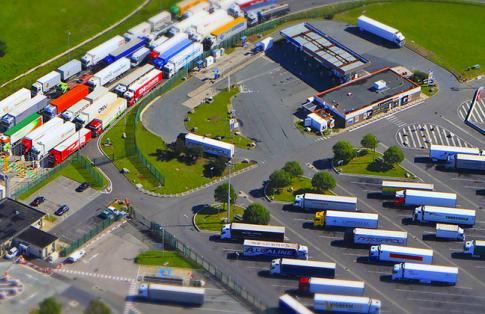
[421, 136]
[95, 275]
[129, 305]
[478, 113]
[395, 120]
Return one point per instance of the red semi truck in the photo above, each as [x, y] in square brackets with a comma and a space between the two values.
[59, 153]
[143, 85]
[105, 118]
[65, 101]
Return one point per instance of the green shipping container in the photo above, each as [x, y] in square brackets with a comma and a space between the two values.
[23, 128]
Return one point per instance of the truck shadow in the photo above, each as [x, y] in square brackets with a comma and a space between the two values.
[354, 30]
[365, 260]
[461, 255]
[139, 299]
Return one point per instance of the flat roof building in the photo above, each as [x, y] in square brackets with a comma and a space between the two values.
[364, 97]
[333, 55]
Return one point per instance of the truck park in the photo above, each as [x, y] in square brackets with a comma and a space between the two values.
[373, 243]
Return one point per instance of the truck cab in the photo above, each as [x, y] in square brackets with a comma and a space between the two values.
[226, 231]
[397, 272]
[299, 200]
[399, 39]
[303, 252]
[96, 127]
[417, 213]
[319, 219]
[275, 266]
[474, 248]
[169, 70]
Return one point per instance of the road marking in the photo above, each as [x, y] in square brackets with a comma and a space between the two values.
[449, 302]
[93, 257]
[420, 136]
[379, 272]
[328, 237]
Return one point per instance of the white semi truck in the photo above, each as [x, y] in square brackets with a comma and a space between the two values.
[252, 248]
[172, 294]
[474, 248]
[127, 80]
[46, 83]
[365, 236]
[241, 231]
[292, 267]
[313, 201]
[345, 303]
[425, 273]
[443, 152]
[98, 53]
[400, 254]
[418, 198]
[331, 286]
[381, 30]
[450, 215]
[345, 219]
[449, 232]
[110, 72]
[182, 59]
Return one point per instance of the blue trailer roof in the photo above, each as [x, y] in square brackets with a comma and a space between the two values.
[126, 50]
[170, 53]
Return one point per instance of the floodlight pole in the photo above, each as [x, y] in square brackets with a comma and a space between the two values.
[229, 194]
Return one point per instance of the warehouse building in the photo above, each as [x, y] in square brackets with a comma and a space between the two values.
[319, 121]
[343, 62]
[367, 96]
[36, 243]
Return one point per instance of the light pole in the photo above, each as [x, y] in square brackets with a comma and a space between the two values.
[229, 193]
[211, 168]
[68, 33]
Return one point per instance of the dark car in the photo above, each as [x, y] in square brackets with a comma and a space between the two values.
[62, 210]
[37, 201]
[82, 187]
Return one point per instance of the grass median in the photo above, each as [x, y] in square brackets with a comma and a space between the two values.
[211, 218]
[299, 185]
[163, 258]
[372, 164]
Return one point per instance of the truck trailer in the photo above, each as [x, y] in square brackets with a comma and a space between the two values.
[253, 248]
[475, 163]
[98, 92]
[325, 202]
[98, 53]
[60, 153]
[301, 268]
[263, 45]
[95, 109]
[125, 50]
[224, 32]
[127, 80]
[184, 25]
[169, 44]
[273, 11]
[139, 56]
[165, 55]
[110, 114]
[110, 73]
[449, 232]
[450, 215]
[425, 273]
[391, 187]
[55, 136]
[138, 31]
[75, 110]
[18, 132]
[12, 101]
[23, 110]
[183, 59]
[157, 42]
[443, 153]
[172, 294]
[70, 69]
[143, 86]
[381, 30]
[183, 6]
[474, 248]
[290, 305]
[365, 236]
[210, 146]
[213, 21]
[29, 139]
[331, 286]
[160, 20]
[410, 197]
[345, 303]
[66, 101]
[345, 219]
[46, 83]
[242, 231]
[400, 254]
[252, 12]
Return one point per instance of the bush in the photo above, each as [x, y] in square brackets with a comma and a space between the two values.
[293, 168]
[344, 151]
[323, 181]
[419, 77]
[215, 167]
[256, 214]
[279, 179]
[221, 193]
[393, 155]
[50, 306]
[97, 307]
[362, 152]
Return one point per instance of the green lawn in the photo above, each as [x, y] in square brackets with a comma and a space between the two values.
[73, 171]
[449, 34]
[179, 177]
[36, 33]
[366, 165]
[212, 120]
[299, 185]
[211, 218]
[163, 258]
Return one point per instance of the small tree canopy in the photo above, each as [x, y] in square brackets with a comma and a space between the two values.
[50, 306]
[323, 181]
[293, 168]
[279, 179]
[369, 141]
[343, 150]
[419, 77]
[221, 193]
[195, 152]
[97, 307]
[393, 155]
[216, 166]
[256, 214]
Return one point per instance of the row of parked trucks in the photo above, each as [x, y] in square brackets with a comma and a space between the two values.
[458, 158]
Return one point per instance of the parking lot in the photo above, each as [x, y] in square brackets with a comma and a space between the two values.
[421, 136]
[478, 113]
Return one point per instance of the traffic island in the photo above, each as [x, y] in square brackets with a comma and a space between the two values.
[372, 164]
[299, 185]
[213, 217]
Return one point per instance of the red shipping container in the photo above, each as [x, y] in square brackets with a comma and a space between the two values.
[69, 146]
[70, 98]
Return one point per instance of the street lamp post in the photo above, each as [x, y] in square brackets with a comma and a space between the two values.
[68, 33]
[229, 194]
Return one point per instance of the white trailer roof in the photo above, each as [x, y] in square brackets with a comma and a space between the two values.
[322, 297]
[479, 242]
[283, 245]
[405, 249]
[379, 24]
[407, 185]
[470, 157]
[209, 141]
[100, 48]
[337, 282]
[192, 20]
[160, 17]
[44, 128]
[134, 75]
[449, 210]
[243, 226]
[171, 42]
[49, 76]
[345, 214]
[428, 267]
[455, 149]
[142, 80]
[381, 232]
[112, 109]
[431, 194]
[300, 262]
[19, 96]
[72, 139]
[295, 304]
[448, 227]
[330, 198]
[161, 287]
[26, 105]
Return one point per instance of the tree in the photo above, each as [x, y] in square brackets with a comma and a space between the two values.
[419, 77]
[344, 151]
[178, 147]
[97, 307]
[195, 152]
[221, 193]
[216, 166]
[370, 141]
[256, 214]
[393, 155]
[293, 168]
[50, 306]
[323, 181]
[279, 179]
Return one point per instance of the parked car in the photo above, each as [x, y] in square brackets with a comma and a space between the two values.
[12, 253]
[37, 201]
[74, 257]
[106, 213]
[62, 210]
[82, 187]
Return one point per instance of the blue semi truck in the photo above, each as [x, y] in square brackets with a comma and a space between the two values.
[166, 55]
[125, 50]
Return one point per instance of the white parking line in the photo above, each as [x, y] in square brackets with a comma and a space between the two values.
[379, 272]
[449, 302]
[328, 237]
